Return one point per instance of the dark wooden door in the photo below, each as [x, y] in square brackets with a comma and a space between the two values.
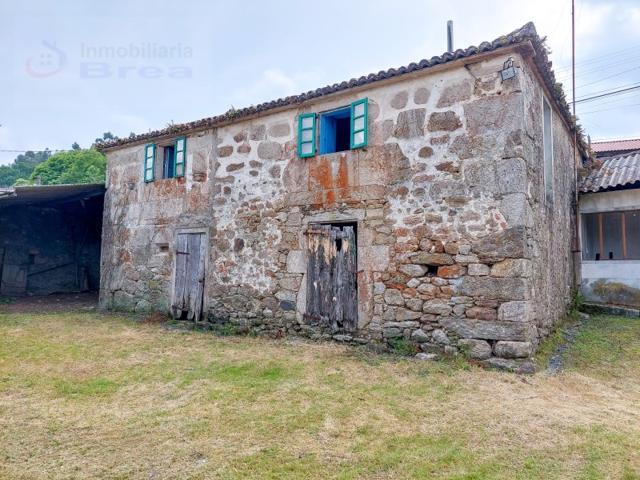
[189, 276]
[332, 277]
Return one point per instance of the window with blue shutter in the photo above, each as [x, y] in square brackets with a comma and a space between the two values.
[334, 130]
[307, 135]
[149, 162]
[359, 123]
[180, 156]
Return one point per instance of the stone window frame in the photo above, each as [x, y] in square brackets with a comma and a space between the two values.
[364, 278]
[358, 128]
[157, 159]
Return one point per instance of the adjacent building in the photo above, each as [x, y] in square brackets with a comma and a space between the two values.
[50, 239]
[431, 204]
[610, 218]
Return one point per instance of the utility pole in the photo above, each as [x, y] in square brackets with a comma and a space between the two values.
[577, 253]
[573, 53]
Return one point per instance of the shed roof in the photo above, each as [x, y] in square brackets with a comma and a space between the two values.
[616, 171]
[37, 194]
[614, 147]
[526, 33]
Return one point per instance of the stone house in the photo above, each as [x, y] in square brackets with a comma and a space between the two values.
[429, 204]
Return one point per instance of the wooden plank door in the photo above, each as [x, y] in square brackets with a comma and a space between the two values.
[332, 277]
[14, 280]
[189, 276]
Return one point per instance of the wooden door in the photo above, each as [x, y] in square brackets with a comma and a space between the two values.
[189, 276]
[14, 280]
[332, 277]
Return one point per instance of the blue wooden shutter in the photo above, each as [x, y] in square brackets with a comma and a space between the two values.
[149, 162]
[307, 135]
[180, 156]
[359, 110]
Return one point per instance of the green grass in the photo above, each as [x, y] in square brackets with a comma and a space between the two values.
[102, 396]
[607, 347]
[93, 387]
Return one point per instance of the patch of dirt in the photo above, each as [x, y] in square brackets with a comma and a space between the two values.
[57, 302]
[155, 318]
[556, 362]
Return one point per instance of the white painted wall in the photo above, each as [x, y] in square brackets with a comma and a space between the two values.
[610, 201]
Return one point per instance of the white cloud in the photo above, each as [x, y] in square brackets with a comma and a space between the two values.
[129, 123]
[274, 83]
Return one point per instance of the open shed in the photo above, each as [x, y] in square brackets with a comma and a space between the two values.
[610, 218]
[50, 239]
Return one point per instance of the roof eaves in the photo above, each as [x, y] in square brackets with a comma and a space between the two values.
[521, 35]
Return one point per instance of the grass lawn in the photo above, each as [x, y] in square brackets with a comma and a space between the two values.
[84, 395]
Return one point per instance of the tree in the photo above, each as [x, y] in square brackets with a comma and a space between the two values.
[22, 182]
[106, 136]
[22, 167]
[75, 166]
[75, 146]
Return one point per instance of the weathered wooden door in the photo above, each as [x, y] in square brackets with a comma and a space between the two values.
[332, 277]
[14, 280]
[189, 275]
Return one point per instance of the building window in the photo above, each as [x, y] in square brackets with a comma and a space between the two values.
[334, 131]
[172, 156]
[168, 153]
[611, 236]
[547, 136]
[341, 129]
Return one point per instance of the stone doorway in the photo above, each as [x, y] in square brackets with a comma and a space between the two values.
[189, 276]
[332, 295]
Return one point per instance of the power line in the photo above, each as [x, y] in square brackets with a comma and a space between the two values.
[615, 92]
[599, 58]
[610, 76]
[625, 97]
[607, 90]
[611, 108]
[629, 60]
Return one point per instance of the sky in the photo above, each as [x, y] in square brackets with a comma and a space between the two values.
[71, 70]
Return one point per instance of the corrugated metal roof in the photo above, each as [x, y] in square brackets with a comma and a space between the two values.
[519, 36]
[613, 172]
[616, 146]
[34, 194]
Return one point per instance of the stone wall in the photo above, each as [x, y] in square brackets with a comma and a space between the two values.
[550, 223]
[448, 255]
[140, 223]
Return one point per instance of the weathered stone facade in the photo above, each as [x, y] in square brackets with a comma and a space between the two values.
[457, 247]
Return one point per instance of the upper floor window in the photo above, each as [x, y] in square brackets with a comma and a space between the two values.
[171, 159]
[547, 139]
[334, 130]
[341, 129]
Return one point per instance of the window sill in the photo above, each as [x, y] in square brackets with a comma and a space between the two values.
[343, 153]
[625, 260]
[166, 180]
